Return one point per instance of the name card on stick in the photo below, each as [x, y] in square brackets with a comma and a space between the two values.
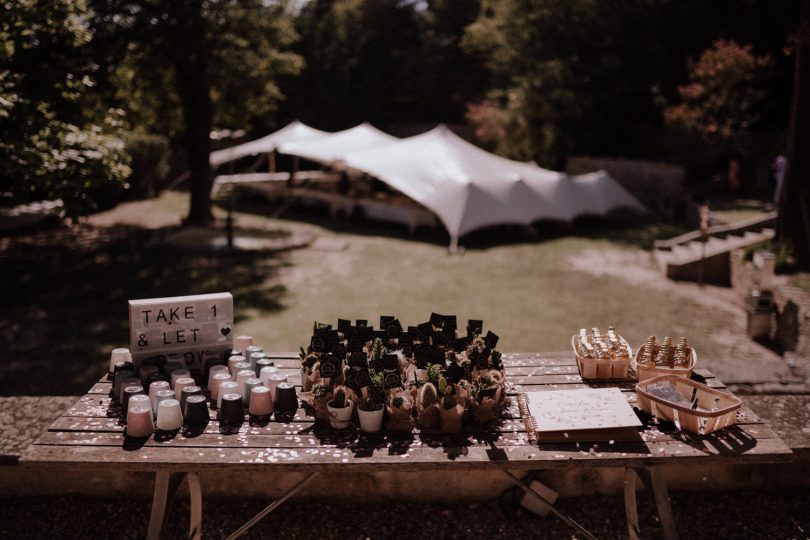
[195, 327]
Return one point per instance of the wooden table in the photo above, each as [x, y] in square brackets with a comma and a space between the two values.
[90, 435]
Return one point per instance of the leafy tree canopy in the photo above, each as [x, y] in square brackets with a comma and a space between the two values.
[55, 140]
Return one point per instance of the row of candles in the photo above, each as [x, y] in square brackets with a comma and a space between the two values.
[170, 398]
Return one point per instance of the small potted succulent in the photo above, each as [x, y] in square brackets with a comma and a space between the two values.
[450, 410]
[308, 362]
[340, 409]
[427, 406]
[371, 405]
[317, 398]
[486, 395]
[399, 411]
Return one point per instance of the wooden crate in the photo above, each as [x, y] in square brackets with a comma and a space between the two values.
[713, 409]
[647, 371]
[598, 369]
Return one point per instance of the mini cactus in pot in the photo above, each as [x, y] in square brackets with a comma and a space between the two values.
[371, 405]
[340, 409]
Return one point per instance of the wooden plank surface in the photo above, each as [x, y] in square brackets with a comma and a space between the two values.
[90, 433]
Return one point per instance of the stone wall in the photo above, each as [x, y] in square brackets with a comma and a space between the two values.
[792, 321]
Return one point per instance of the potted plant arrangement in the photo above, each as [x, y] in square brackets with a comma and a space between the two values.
[340, 409]
[371, 405]
[432, 373]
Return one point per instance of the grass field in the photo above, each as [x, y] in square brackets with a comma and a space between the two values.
[66, 302]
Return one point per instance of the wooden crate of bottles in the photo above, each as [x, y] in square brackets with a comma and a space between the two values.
[602, 357]
[654, 360]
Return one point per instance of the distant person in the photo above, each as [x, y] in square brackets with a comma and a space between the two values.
[779, 166]
[733, 179]
[705, 219]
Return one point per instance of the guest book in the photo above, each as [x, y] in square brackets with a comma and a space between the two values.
[580, 415]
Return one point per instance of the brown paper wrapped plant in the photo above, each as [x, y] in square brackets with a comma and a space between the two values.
[427, 407]
[451, 411]
[399, 411]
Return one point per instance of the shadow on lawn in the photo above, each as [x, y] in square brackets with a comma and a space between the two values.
[620, 226]
[65, 292]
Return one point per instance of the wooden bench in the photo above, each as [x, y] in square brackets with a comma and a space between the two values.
[90, 435]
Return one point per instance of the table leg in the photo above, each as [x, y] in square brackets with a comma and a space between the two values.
[159, 500]
[630, 507]
[661, 494]
[166, 484]
[275, 504]
[529, 491]
[195, 511]
[653, 478]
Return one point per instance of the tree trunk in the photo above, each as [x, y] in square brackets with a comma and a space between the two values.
[794, 200]
[191, 63]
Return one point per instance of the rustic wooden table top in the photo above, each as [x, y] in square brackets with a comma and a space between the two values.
[90, 434]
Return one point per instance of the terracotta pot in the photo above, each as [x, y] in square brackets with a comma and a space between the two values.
[370, 421]
[451, 419]
[340, 418]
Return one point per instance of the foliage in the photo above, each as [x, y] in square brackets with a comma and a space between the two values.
[571, 76]
[377, 394]
[384, 61]
[54, 141]
[727, 91]
[215, 60]
[149, 156]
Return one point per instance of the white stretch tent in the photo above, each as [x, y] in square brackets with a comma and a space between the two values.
[293, 132]
[334, 147]
[469, 188]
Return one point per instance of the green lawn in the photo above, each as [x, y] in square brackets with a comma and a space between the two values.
[66, 304]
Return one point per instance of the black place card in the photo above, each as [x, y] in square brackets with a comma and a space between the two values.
[322, 327]
[439, 340]
[362, 378]
[436, 320]
[366, 334]
[354, 345]
[491, 340]
[454, 373]
[380, 334]
[330, 367]
[474, 327]
[438, 358]
[426, 329]
[339, 351]
[358, 359]
[317, 344]
[390, 361]
[376, 364]
[385, 319]
[405, 338]
[449, 323]
[392, 379]
[423, 355]
[361, 323]
[343, 325]
[351, 332]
